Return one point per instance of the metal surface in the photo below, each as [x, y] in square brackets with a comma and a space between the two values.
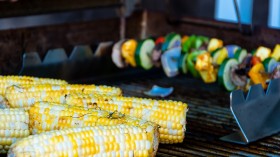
[57, 18]
[208, 119]
[32, 7]
[236, 8]
[258, 115]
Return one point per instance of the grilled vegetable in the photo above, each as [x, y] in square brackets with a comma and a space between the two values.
[143, 54]
[13, 126]
[224, 74]
[205, 67]
[191, 59]
[184, 39]
[276, 53]
[119, 140]
[117, 58]
[200, 42]
[156, 54]
[231, 49]
[222, 56]
[169, 115]
[183, 63]
[257, 74]
[128, 51]
[255, 60]
[170, 61]
[6, 81]
[215, 54]
[240, 55]
[172, 40]
[263, 53]
[269, 64]
[188, 44]
[26, 96]
[214, 44]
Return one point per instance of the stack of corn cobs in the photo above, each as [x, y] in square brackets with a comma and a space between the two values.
[48, 117]
[232, 66]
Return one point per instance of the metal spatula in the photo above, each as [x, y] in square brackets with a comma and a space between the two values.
[258, 116]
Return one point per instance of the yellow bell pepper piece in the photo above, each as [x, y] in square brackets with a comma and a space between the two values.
[203, 61]
[263, 52]
[214, 44]
[223, 55]
[257, 74]
[128, 50]
[209, 76]
[276, 53]
[205, 67]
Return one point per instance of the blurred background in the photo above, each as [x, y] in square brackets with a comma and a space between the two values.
[257, 12]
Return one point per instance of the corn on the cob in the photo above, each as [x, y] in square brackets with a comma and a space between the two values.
[13, 126]
[3, 102]
[6, 81]
[25, 96]
[169, 115]
[119, 140]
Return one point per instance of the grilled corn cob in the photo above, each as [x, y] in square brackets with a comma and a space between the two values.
[119, 140]
[26, 95]
[13, 126]
[169, 115]
[6, 81]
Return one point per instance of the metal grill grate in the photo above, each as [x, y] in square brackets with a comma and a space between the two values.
[208, 119]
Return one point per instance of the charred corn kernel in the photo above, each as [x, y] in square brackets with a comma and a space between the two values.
[13, 126]
[88, 141]
[3, 102]
[6, 81]
[26, 95]
[169, 115]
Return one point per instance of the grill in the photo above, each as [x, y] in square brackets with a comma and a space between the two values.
[209, 116]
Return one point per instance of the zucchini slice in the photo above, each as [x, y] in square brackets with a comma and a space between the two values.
[269, 64]
[224, 74]
[183, 63]
[171, 40]
[143, 53]
[240, 55]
